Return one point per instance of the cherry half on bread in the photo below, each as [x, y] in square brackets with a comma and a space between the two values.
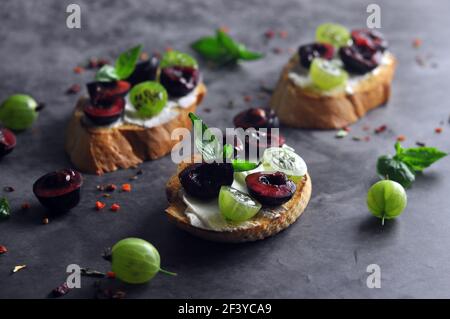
[270, 189]
[59, 191]
[179, 80]
[204, 180]
[309, 52]
[7, 142]
[106, 101]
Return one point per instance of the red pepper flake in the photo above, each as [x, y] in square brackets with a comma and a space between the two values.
[366, 138]
[115, 207]
[3, 249]
[438, 130]
[401, 138]
[380, 129]
[247, 98]
[99, 205]
[61, 290]
[225, 29]
[269, 34]
[73, 89]
[277, 50]
[111, 187]
[126, 188]
[283, 34]
[111, 274]
[78, 69]
[45, 221]
[417, 43]
[25, 206]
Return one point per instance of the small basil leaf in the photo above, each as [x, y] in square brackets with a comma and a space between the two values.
[393, 169]
[107, 73]
[228, 43]
[418, 158]
[208, 148]
[248, 55]
[240, 165]
[5, 210]
[210, 48]
[126, 62]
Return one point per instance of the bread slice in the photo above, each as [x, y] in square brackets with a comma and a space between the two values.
[98, 150]
[263, 225]
[306, 108]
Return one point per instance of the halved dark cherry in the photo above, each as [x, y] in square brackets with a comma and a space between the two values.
[104, 93]
[270, 189]
[256, 117]
[203, 180]
[359, 60]
[59, 191]
[7, 141]
[145, 71]
[105, 115]
[179, 80]
[308, 52]
[371, 39]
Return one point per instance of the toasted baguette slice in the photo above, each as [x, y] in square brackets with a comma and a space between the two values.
[263, 225]
[305, 108]
[98, 150]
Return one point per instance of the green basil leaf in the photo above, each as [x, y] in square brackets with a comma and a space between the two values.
[228, 44]
[228, 151]
[107, 73]
[240, 165]
[5, 210]
[126, 62]
[208, 148]
[248, 55]
[393, 169]
[210, 48]
[418, 158]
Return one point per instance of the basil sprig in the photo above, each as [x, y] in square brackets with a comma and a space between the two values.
[210, 148]
[123, 66]
[403, 166]
[222, 49]
[5, 210]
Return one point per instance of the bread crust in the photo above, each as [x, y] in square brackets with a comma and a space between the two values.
[263, 226]
[303, 108]
[99, 150]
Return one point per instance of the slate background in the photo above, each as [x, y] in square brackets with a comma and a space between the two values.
[325, 254]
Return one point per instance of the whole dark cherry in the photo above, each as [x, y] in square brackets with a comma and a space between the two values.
[203, 180]
[359, 60]
[256, 117]
[270, 189]
[145, 71]
[179, 80]
[59, 191]
[7, 142]
[308, 52]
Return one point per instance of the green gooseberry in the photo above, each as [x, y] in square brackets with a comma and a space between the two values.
[18, 112]
[386, 199]
[135, 261]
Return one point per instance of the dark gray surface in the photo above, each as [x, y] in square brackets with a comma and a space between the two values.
[325, 254]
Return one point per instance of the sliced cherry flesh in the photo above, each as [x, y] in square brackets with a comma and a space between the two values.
[145, 71]
[179, 80]
[258, 141]
[359, 60]
[59, 191]
[270, 189]
[370, 39]
[256, 117]
[7, 141]
[105, 115]
[203, 180]
[104, 93]
[308, 52]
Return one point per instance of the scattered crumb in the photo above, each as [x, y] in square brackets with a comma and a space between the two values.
[18, 268]
[438, 130]
[283, 34]
[78, 69]
[401, 138]
[417, 42]
[73, 89]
